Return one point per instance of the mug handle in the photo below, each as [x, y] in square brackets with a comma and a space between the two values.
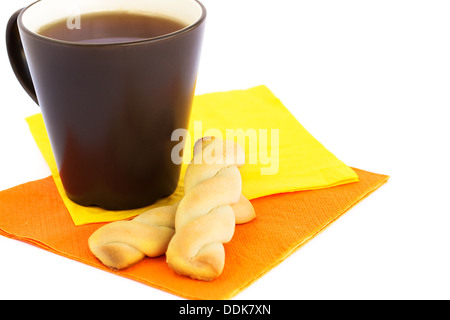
[17, 56]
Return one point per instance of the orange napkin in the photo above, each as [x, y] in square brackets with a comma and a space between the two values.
[35, 213]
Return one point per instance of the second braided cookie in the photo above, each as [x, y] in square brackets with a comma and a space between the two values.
[205, 219]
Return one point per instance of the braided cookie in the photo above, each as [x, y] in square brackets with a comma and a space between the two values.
[121, 244]
[205, 219]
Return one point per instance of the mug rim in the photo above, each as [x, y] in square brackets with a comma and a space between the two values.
[173, 34]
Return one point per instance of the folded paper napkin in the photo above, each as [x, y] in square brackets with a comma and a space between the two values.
[294, 160]
[35, 213]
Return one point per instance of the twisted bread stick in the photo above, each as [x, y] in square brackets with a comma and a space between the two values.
[121, 244]
[205, 219]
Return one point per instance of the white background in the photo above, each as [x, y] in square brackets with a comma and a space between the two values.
[369, 79]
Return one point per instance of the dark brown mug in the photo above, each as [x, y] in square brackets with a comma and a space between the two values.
[110, 109]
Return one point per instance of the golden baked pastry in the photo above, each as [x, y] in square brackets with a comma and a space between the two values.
[205, 218]
[121, 244]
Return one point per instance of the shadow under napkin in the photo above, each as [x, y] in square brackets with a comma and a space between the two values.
[34, 213]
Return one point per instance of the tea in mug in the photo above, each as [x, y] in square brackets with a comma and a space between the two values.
[111, 27]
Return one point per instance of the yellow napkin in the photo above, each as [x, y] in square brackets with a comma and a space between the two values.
[281, 156]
